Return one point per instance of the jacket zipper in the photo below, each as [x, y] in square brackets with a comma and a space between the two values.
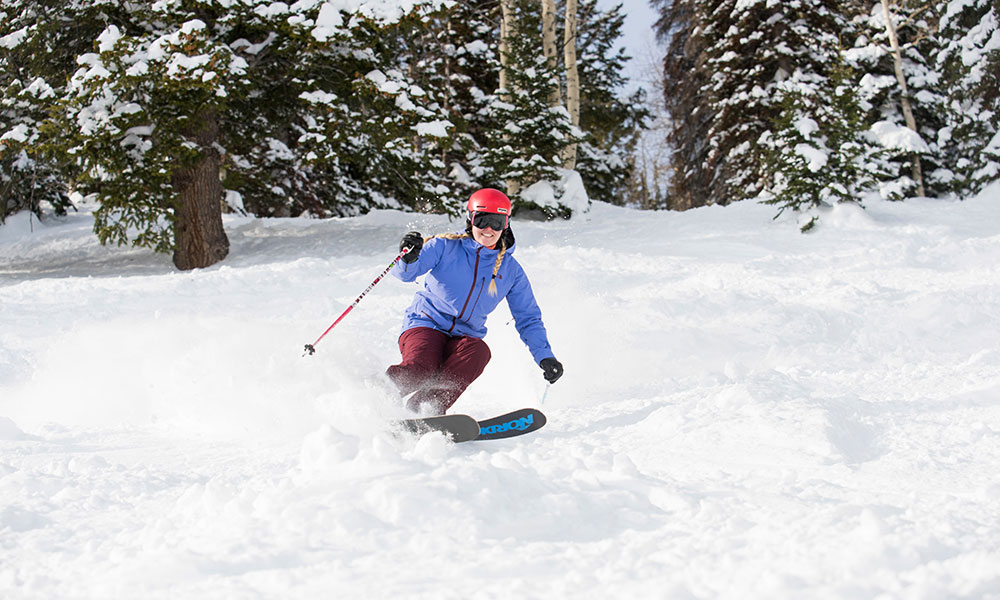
[475, 274]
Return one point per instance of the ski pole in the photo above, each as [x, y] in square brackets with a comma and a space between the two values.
[311, 348]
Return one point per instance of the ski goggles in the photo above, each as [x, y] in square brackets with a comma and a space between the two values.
[494, 221]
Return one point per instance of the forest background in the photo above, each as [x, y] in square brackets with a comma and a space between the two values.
[169, 113]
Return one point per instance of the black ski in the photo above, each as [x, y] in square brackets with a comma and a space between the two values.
[463, 428]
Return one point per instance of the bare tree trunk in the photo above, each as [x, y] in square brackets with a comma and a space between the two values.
[200, 240]
[506, 32]
[572, 79]
[549, 44]
[911, 122]
[507, 27]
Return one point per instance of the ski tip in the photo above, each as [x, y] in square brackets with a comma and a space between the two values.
[518, 422]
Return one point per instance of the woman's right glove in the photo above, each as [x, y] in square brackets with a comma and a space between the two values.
[414, 241]
[552, 369]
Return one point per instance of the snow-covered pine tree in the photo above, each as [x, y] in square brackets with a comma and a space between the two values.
[528, 134]
[682, 23]
[970, 65]
[820, 151]
[401, 127]
[458, 64]
[38, 48]
[142, 120]
[725, 62]
[333, 126]
[728, 50]
[299, 107]
[473, 44]
[452, 55]
[907, 123]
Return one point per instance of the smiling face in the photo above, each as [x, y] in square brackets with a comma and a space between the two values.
[487, 237]
[488, 227]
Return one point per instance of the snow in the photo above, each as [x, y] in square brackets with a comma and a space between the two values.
[19, 133]
[437, 128]
[14, 39]
[806, 127]
[318, 97]
[108, 38]
[815, 158]
[747, 412]
[40, 89]
[569, 191]
[329, 21]
[899, 137]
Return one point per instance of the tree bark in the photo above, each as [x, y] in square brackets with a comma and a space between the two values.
[911, 122]
[199, 238]
[507, 27]
[572, 79]
[549, 45]
[506, 32]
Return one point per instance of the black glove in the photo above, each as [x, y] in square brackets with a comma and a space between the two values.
[552, 369]
[414, 241]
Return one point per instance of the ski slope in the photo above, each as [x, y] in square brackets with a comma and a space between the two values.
[747, 412]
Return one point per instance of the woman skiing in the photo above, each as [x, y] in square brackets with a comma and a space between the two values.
[468, 274]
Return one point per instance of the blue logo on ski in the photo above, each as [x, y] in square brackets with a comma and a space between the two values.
[463, 428]
[511, 424]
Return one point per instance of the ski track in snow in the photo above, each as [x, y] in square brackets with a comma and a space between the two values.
[747, 412]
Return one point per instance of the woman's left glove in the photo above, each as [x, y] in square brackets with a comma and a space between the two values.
[552, 369]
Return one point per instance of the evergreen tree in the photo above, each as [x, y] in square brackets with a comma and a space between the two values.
[971, 74]
[685, 79]
[724, 63]
[295, 109]
[872, 56]
[821, 152]
[453, 57]
[527, 135]
[299, 107]
[39, 42]
[458, 63]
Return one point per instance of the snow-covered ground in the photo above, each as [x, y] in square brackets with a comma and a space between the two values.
[747, 412]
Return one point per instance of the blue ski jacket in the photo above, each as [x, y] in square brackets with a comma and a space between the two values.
[456, 298]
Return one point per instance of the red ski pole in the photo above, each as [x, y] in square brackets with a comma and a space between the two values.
[311, 348]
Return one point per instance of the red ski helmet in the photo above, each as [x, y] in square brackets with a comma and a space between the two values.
[489, 200]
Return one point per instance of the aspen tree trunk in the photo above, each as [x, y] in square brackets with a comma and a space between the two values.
[572, 79]
[199, 238]
[911, 122]
[549, 44]
[507, 27]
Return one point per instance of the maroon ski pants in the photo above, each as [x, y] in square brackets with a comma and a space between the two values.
[437, 367]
